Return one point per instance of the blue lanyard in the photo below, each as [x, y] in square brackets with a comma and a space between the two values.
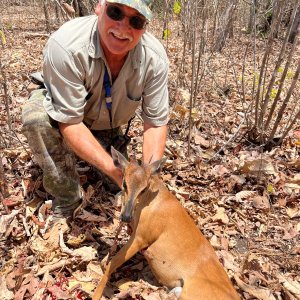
[108, 100]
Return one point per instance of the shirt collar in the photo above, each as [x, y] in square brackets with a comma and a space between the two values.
[95, 50]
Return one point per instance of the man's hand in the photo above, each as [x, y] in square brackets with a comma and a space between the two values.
[154, 142]
[84, 144]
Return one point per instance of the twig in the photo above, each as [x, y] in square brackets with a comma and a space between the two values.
[192, 81]
[26, 226]
[113, 248]
[3, 182]
[35, 34]
[6, 97]
[229, 141]
[65, 13]
[53, 267]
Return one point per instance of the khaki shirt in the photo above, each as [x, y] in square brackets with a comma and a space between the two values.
[74, 67]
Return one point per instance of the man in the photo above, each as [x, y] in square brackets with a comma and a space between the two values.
[97, 70]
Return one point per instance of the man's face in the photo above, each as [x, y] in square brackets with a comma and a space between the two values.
[117, 38]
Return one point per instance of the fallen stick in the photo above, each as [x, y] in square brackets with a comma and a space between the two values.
[55, 266]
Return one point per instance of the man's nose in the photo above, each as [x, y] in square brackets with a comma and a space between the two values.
[125, 22]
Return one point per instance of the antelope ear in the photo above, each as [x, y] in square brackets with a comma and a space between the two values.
[119, 160]
[156, 167]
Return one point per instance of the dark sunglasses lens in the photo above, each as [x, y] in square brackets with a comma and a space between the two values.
[137, 22]
[114, 12]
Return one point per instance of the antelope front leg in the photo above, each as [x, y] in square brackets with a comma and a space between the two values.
[125, 253]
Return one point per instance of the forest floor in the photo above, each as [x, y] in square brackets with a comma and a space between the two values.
[245, 201]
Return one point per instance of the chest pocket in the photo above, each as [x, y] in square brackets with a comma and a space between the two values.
[126, 110]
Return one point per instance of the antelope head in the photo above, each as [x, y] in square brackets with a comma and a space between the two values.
[136, 181]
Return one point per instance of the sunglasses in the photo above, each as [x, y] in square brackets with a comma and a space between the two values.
[117, 14]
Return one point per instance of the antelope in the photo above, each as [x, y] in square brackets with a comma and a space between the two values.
[179, 255]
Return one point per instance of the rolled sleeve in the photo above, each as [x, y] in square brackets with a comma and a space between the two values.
[155, 106]
[64, 80]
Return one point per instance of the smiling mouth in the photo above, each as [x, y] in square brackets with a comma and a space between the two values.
[120, 37]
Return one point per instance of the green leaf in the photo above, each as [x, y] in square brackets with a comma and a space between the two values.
[270, 188]
[176, 7]
[256, 78]
[280, 70]
[167, 33]
[290, 74]
[273, 94]
[2, 37]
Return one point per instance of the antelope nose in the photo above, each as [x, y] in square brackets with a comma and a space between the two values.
[126, 218]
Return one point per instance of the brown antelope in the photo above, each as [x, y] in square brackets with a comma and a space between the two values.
[179, 255]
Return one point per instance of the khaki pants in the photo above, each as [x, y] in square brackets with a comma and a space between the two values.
[60, 178]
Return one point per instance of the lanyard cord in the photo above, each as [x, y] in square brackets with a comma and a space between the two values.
[108, 102]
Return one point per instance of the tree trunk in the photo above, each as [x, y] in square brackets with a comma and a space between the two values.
[57, 13]
[266, 10]
[76, 7]
[83, 10]
[225, 26]
[47, 16]
[295, 26]
[252, 18]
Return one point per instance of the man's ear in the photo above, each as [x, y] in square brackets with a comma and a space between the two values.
[99, 7]
[118, 158]
[156, 167]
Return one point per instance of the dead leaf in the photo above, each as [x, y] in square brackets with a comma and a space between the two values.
[5, 293]
[220, 170]
[179, 111]
[290, 232]
[32, 207]
[85, 253]
[58, 293]
[76, 240]
[153, 296]
[291, 285]
[293, 212]
[257, 166]
[293, 164]
[30, 285]
[6, 220]
[221, 216]
[199, 140]
[245, 195]
[89, 193]
[19, 152]
[228, 260]
[87, 287]
[261, 202]
[214, 241]
[260, 293]
[47, 246]
[125, 284]
[54, 266]
[94, 269]
[89, 217]
[30, 186]
[12, 201]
